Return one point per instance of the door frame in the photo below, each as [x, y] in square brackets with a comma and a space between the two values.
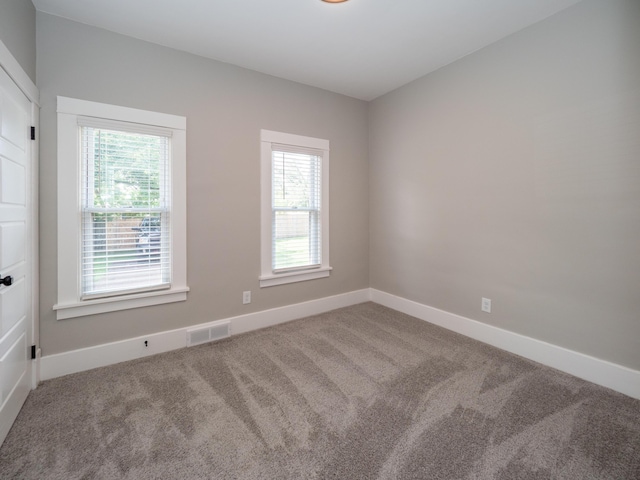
[11, 66]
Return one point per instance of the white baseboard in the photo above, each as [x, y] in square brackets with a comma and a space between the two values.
[35, 369]
[601, 372]
[57, 365]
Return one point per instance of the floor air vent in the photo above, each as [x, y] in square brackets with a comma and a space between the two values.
[209, 334]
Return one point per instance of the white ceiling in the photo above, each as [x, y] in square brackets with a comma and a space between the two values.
[361, 48]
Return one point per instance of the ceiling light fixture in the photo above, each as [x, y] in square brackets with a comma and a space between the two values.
[334, 1]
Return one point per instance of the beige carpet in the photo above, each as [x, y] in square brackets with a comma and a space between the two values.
[358, 393]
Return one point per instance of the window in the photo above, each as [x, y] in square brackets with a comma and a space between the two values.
[295, 208]
[121, 208]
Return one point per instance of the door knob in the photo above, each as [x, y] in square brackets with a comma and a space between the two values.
[6, 281]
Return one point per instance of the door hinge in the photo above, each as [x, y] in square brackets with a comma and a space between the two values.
[33, 133]
[33, 352]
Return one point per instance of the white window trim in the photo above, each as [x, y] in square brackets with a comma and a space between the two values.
[69, 180]
[268, 278]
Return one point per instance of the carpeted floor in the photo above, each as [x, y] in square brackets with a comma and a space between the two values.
[358, 393]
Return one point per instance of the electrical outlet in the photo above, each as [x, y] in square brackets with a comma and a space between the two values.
[246, 297]
[486, 305]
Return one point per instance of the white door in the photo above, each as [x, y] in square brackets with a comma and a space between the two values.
[15, 306]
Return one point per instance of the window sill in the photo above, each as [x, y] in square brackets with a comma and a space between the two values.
[113, 304]
[292, 277]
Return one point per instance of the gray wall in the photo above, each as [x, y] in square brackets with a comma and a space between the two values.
[225, 108]
[18, 32]
[514, 174]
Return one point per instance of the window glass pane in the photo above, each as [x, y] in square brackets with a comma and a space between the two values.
[125, 224]
[122, 252]
[296, 239]
[123, 169]
[296, 180]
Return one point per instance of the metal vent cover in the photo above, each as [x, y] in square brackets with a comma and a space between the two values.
[214, 332]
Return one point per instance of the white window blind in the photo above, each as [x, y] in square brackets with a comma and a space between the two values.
[296, 209]
[125, 228]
